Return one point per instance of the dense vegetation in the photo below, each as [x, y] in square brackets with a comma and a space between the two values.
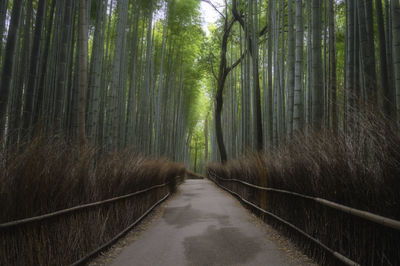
[90, 92]
[334, 168]
[312, 87]
[51, 175]
[283, 68]
[307, 101]
[113, 74]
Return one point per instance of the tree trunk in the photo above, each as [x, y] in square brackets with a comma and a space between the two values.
[384, 99]
[103, 124]
[350, 64]
[15, 109]
[115, 89]
[62, 69]
[332, 68]
[252, 43]
[161, 93]
[291, 70]
[389, 59]
[3, 16]
[368, 57]
[297, 108]
[8, 63]
[316, 81]
[275, 18]
[38, 97]
[95, 73]
[256, 81]
[308, 89]
[396, 51]
[206, 139]
[222, 74]
[270, 78]
[83, 71]
[30, 89]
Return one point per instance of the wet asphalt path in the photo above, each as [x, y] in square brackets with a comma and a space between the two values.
[203, 226]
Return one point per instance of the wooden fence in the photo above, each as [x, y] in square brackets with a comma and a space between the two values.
[75, 235]
[378, 229]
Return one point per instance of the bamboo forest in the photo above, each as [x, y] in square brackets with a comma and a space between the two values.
[111, 106]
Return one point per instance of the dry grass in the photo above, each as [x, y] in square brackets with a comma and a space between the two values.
[360, 170]
[51, 175]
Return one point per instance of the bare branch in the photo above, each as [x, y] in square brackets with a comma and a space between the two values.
[212, 66]
[229, 69]
[242, 23]
[263, 31]
[213, 6]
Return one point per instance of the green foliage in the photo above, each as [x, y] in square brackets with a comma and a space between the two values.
[187, 36]
[183, 14]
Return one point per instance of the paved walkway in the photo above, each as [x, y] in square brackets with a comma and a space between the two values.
[203, 226]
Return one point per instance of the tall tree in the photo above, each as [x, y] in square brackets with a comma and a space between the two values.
[83, 71]
[332, 67]
[96, 66]
[38, 96]
[252, 36]
[6, 74]
[366, 36]
[222, 74]
[385, 101]
[30, 89]
[396, 51]
[3, 15]
[297, 109]
[316, 80]
[15, 105]
[291, 69]
[161, 93]
[270, 77]
[116, 89]
[62, 70]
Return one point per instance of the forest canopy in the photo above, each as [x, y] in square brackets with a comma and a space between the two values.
[143, 79]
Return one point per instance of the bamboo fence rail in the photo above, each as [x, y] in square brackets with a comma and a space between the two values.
[355, 212]
[85, 258]
[74, 209]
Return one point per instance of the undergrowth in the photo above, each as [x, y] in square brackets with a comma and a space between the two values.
[50, 175]
[360, 170]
